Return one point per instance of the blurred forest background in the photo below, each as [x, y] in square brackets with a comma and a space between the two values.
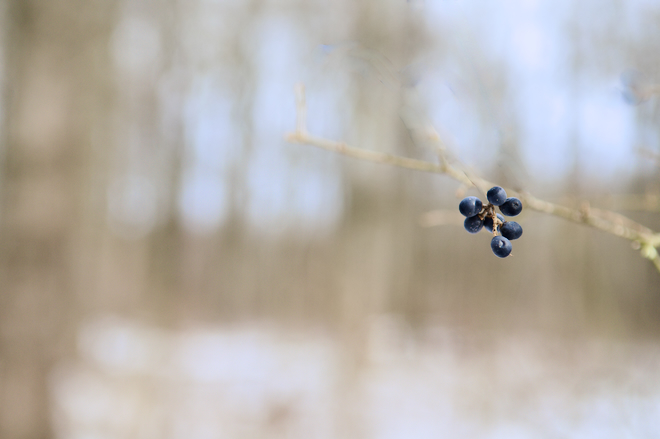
[171, 267]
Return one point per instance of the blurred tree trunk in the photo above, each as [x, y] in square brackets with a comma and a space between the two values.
[57, 70]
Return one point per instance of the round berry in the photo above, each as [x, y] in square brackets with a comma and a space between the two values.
[473, 224]
[511, 230]
[511, 207]
[488, 222]
[501, 246]
[470, 206]
[496, 196]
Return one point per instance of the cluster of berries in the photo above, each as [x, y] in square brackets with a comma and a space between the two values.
[479, 216]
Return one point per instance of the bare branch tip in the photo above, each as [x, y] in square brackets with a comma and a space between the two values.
[292, 137]
[299, 89]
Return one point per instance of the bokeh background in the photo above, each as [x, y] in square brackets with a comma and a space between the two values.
[171, 267]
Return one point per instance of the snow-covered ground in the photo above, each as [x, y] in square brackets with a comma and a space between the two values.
[130, 380]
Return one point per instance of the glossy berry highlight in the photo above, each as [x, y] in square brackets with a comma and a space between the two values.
[496, 196]
[501, 246]
[511, 207]
[470, 206]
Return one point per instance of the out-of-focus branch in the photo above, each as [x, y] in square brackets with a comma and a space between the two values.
[646, 239]
[656, 261]
[649, 153]
[648, 202]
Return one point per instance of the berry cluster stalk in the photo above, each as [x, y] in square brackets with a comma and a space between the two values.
[643, 238]
[489, 212]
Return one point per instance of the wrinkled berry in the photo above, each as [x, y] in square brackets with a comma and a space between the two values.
[501, 246]
[511, 207]
[511, 230]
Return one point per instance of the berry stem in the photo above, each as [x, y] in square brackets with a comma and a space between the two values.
[496, 222]
[485, 211]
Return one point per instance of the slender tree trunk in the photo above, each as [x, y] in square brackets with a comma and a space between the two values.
[56, 67]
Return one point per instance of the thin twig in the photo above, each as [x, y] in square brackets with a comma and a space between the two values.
[379, 157]
[656, 262]
[648, 202]
[604, 220]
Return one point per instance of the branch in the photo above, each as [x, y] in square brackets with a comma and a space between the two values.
[378, 157]
[648, 202]
[649, 153]
[643, 238]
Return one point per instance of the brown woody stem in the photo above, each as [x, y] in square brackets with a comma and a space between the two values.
[604, 220]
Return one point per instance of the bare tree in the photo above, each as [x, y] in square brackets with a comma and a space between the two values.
[57, 96]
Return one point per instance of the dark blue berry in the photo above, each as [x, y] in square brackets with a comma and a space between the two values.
[501, 246]
[496, 196]
[473, 224]
[470, 206]
[511, 207]
[511, 230]
[488, 222]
